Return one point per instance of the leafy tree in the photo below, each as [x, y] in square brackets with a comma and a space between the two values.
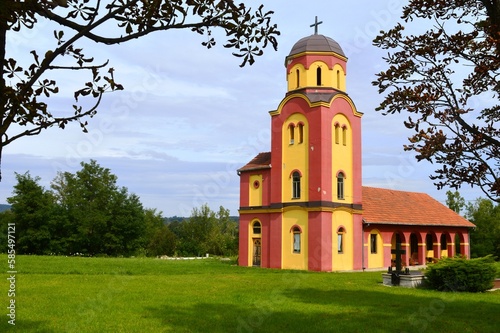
[32, 208]
[106, 219]
[157, 239]
[163, 242]
[6, 217]
[25, 88]
[455, 201]
[485, 238]
[445, 78]
[208, 232]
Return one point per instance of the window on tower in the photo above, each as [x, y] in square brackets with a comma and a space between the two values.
[298, 77]
[296, 239]
[301, 132]
[291, 129]
[257, 227]
[340, 186]
[344, 135]
[337, 134]
[318, 76]
[296, 185]
[338, 79]
[340, 240]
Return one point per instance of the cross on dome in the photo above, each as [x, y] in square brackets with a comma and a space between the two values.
[315, 25]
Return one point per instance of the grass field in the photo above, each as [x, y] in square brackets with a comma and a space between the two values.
[59, 294]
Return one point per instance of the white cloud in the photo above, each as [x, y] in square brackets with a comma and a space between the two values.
[189, 117]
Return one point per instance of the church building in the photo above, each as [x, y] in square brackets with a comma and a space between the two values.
[303, 205]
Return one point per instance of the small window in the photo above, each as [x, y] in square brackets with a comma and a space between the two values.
[318, 76]
[298, 78]
[344, 135]
[340, 186]
[373, 243]
[291, 129]
[296, 240]
[337, 134]
[340, 240]
[296, 185]
[338, 79]
[257, 228]
[301, 132]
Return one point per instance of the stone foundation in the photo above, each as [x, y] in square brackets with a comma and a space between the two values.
[408, 281]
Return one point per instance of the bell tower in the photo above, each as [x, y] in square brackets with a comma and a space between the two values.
[313, 172]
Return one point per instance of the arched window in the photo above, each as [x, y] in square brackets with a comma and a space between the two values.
[344, 135]
[337, 133]
[301, 132]
[295, 185]
[340, 240]
[291, 129]
[257, 228]
[373, 243]
[298, 78]
[296, 239]
[318, 76]
[338, 79]
[340, 186]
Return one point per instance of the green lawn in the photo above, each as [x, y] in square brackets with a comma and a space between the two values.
[59, 294]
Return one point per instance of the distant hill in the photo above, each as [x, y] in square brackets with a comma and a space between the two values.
[171, 219]
[4, 207]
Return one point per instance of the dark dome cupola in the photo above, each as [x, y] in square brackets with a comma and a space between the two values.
[316, 62]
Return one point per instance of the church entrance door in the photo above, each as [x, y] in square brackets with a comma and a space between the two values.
[257, 252]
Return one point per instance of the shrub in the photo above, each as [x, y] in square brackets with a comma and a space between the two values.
[460, 274]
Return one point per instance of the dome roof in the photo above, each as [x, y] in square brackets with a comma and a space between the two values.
[316, 43]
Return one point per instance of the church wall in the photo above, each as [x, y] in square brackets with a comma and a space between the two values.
[295, 217]
[295, 157]
[387, 233]
[244, 241]
[295, 82]
[344, 260]
[320, 155]
[255, 190]
[343, 107]
[244, 192]
[375, 258]
[342, 157]
[275, 244]
[320, 241]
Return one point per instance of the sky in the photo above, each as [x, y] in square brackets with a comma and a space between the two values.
[190, 117]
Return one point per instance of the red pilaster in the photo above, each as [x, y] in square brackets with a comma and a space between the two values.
[320, 241]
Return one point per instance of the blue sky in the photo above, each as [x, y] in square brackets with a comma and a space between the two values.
[189, 117]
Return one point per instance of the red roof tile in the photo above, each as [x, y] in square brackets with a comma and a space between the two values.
[385, 206]
[261, 161]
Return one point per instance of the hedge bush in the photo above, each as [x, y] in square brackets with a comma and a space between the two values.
[460, 274]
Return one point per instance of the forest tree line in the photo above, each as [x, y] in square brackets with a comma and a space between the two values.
[86, 213]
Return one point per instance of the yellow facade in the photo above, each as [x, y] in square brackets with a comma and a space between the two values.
[300, 77]
[255, 190]
[342, 223]
[296, 217]
[295, 157]
[375, 260]
[342, 157]
[251, 240]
